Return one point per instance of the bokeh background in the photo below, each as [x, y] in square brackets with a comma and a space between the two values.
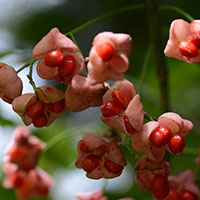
[24, 22]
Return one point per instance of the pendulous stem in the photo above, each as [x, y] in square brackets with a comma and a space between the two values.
[160, 65]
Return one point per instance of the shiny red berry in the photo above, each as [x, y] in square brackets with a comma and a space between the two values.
[83, 147]
[173, 195]
[112, 167]
[159, 187]
[90, 163]
[110, 108]
[128, 125]
[57, 107]
[187, 195]
[68, 67]
[160, 136]
[119, 98]
[35, 110]
[105, 51]
[176, 144]
[188, 49]
[40, 122]
[195, 39]
[54, 58]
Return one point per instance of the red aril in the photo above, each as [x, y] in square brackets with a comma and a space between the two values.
[128, 125]
[90, 163]
[119, 98]
[105, 51]
[194, 38]
[173, 195]
[54, 58]
[187, 195]
[83, 147]
[159, 187]
[188, 49]
[110, 108]
[112, 167]
[57, 106]
[35, 110]
[160, 136]
[40, 122]
[176, 143]
[68, 67]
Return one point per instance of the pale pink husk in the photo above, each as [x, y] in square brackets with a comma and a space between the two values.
[20, 105]
[125, 86]
[184, 181]
[177, 124]
[55, 40]
[180, 30]
[147, 170]
[45, 94]
[81, 94]
[10, 84]
[141, 142]
[100, 71]
[106, 151]
[134, 110]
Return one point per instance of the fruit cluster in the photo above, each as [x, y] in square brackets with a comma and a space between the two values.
[20, 166]
[121, 108]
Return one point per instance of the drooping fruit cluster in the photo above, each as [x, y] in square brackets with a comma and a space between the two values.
[20, 166]
[122, 108]
[108, 57]
[167, 133]
[99, 158]
[41, 108]
[152, 176]
[183, 187]
[184, 41]
[60, 60]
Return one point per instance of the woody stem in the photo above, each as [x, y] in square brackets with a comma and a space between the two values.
[30, 74]
[26, 65]
[160, 65]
